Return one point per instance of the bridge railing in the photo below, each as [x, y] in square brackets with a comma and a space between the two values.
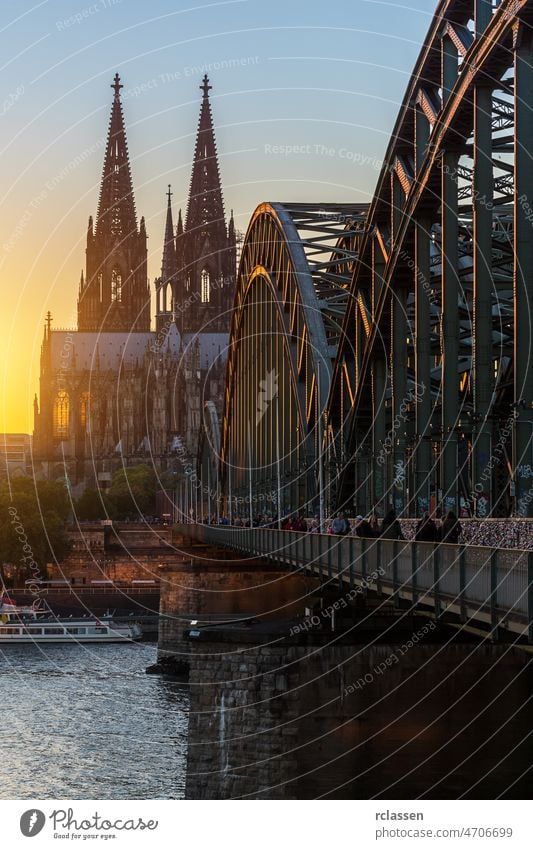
[489, 585]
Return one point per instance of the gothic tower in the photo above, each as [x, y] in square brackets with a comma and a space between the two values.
[205, 249]
[114, 295]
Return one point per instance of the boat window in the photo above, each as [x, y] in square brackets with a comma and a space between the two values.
[75, 630]
[53, 631]
[9, 630]
[34, 630]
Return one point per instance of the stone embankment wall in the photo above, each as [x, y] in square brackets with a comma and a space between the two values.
[281, 720]
[126, 553]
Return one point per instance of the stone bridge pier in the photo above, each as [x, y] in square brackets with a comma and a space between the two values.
[398, 714]
[213, 587]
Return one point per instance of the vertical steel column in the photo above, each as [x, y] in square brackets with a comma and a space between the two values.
[379, 459]
[399, 395]
[450, 295]
[236, 428]
[421, 138]
[530, 598]
[378, 268]
[422, 366]
[483, 284]
[482, 15]
[361, 477]
[264, 403]
[449, 331]
[448, 68]
[523, 274]
[421, 459]
[398, 201]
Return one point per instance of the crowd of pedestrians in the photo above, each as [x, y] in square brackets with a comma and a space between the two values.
[428, 529]
[497, 533]
[390, 527]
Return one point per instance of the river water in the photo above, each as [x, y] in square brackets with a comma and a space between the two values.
[86, 722]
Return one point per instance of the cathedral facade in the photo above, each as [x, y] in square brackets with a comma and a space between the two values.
[114, 391]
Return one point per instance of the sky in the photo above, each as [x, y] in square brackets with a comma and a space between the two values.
[304, 98]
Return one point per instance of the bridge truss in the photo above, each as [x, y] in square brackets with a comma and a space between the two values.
[292, 292]
[382, 356]
[438, 386]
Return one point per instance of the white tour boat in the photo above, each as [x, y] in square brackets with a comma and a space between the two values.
[34, 625]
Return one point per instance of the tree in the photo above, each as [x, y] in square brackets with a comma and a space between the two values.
[132, 492]
[33, 517]
[91, 506]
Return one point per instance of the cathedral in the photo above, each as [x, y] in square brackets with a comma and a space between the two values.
[114, 391]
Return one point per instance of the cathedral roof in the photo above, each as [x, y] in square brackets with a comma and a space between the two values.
[82, 350]
[213, 347]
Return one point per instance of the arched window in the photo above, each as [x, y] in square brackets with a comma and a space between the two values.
[116, 285]
[61, 415]
[100, 280]
[84, 409]
[206, 289]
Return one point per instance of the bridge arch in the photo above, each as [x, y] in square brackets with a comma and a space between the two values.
[399, 337]
[437, 385]
[291, 295]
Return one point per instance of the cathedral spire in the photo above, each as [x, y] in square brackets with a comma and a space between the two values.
[205, 205]
[168, 267]
[116, 207]
[232, 236]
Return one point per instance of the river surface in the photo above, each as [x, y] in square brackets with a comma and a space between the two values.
[86, 722]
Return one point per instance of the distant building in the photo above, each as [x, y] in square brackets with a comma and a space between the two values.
[113, 391]
[15, 454]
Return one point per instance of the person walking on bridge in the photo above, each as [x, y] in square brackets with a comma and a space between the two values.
[340, 525]
[390, 527]
[426, 530]
[451, 528]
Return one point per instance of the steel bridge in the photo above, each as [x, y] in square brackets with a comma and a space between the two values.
[381, 356]
[490, 589]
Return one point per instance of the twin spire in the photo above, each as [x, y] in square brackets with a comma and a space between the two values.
[116, 217]
[205, 206]
[116, 207]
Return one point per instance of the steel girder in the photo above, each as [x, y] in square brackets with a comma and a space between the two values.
[292, 292]
[207, 482]
[436, 385]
